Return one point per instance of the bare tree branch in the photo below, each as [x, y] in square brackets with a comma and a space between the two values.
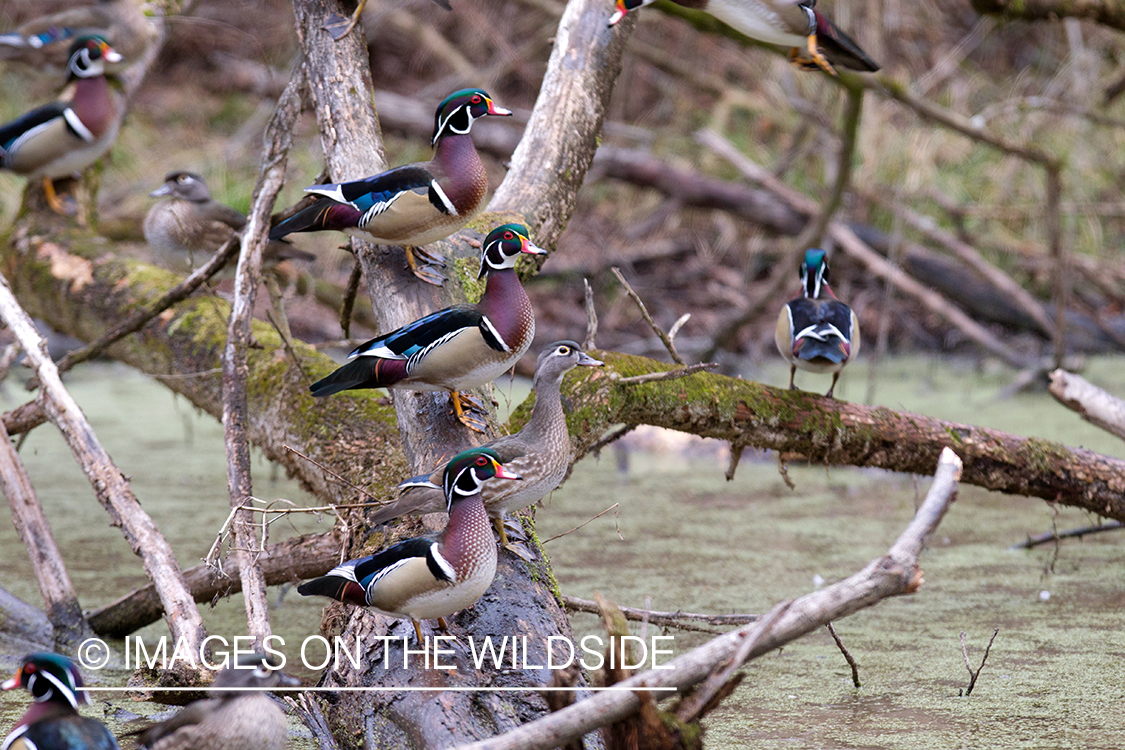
[1096, 406]
[894, 574]
[62, 606]
[110, 485]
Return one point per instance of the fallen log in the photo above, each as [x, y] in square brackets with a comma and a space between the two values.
[289, 561]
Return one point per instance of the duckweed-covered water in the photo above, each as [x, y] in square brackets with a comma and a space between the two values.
[690, 540]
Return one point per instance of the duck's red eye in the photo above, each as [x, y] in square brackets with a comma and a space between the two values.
[482, 461]
[28, 668]
[476, 99]
[509, 236]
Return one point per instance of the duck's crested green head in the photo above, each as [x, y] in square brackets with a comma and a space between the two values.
[814, 271]
[467, 472]
[49, 677]
[503, 245]
[456, 113]
[89, 55]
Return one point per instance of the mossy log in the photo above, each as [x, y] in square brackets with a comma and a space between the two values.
[836, 432]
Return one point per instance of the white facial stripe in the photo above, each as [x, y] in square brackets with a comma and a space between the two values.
[66, 690]
[75, 123]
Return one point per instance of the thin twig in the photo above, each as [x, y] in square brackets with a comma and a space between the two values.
[610, 437]
[847, 655]
[965, 652]
[591, 318]
[676, 619]
[1051, 536]
[671, 347]
[650, 377]
[576, 528]
[328, 471]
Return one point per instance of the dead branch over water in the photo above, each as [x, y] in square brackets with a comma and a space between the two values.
[894, 574]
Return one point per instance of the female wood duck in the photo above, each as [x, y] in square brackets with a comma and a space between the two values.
[187, 229]
[45, 42]
[68, 135]
[458, 347]
[230, 719]
[431, 576]
[415, 204]
[813, 333]
[540, 452]
[787, 23]
[52, 721]
[339, 27]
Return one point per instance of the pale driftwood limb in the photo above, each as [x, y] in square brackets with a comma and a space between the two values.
[289, 561]
[851, 244]
[59, 597]
[550, 164]
[652, 377]
[588, 343]
[722, 681]
[20, 620]
[847, 655]
[973, 675]
[278, 139]
[1054, 536]
[664, 337]
[894, 574]
[110, 485]
[1093, 404]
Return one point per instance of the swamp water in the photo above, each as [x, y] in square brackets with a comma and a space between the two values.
[689, 540]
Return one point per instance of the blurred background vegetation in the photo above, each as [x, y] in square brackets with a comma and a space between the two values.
[1050, 85]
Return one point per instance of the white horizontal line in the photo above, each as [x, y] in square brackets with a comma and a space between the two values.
[378, 689]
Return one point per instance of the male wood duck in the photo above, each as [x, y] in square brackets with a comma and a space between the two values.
[68, 135]
[45, 42]
[787, 23]
[431, 576]
[339, 27]
[540, 452]
[814, 333]
[415, 204]
[52, 722]
[458, 347]
[230, 719]
[187, 229]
